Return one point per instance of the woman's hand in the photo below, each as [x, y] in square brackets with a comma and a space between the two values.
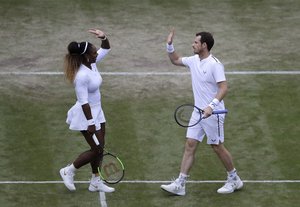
[91, 129]
[97, 32]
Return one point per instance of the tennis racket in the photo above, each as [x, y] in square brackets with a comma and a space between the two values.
[188, 115]
[112, 169]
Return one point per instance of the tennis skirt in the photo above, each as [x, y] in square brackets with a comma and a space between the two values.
[77, 120]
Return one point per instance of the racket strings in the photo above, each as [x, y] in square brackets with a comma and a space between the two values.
[187, 115]
[111, 169]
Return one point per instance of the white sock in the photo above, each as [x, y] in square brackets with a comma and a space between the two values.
[232, 173]
[72, 168]
[94, 176]
[182, 177]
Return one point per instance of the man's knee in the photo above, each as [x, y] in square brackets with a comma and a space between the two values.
[219, 149]
[191, 145]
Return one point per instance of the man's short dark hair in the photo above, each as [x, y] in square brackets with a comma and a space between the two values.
[207, 38]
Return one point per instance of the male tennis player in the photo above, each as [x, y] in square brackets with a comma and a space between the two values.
[209, 88]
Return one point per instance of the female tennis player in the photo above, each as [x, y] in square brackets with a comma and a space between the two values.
[86, 115]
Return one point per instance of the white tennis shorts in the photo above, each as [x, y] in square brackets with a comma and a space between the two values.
[77, 120]
[212, 127]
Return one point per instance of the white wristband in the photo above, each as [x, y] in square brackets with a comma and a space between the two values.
[170, 48]
[91, 122]
[214, 103]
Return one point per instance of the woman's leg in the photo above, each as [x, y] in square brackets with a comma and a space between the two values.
[100, 134]
[93, 155]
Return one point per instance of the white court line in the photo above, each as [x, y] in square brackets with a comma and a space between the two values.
[102, 199]
[265, 72]
[152, 181]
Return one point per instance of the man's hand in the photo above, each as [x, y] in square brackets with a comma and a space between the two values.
[170, 36]
[207, 112]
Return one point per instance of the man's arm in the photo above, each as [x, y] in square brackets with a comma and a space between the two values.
[174, 57]
[222, 91]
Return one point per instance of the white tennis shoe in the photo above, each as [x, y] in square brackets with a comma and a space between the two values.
[231, 185]
[98, 185]
[176, 187]
[67, 177]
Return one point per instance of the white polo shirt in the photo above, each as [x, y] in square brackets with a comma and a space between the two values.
[205, 75]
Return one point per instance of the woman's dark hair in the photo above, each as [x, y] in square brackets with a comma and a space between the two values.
[76, 55]
[207, 38]
[76, 48]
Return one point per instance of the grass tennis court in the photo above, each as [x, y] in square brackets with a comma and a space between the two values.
[261, 129]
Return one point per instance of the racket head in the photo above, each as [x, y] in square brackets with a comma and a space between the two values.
[188, 115]
[112, 169]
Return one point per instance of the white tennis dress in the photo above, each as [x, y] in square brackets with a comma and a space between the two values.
[87, 84]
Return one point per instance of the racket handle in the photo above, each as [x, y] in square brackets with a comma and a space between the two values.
[225, 111]
[95, 140]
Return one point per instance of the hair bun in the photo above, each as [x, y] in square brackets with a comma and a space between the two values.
[75, 48]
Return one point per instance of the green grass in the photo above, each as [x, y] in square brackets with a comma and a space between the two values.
[261, 129]
[253, 35]
[140, 129]
[148, 195]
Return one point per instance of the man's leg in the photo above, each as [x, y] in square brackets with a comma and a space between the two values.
[188, 155]
[178, 186]
[233, 180]
[224, 156]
